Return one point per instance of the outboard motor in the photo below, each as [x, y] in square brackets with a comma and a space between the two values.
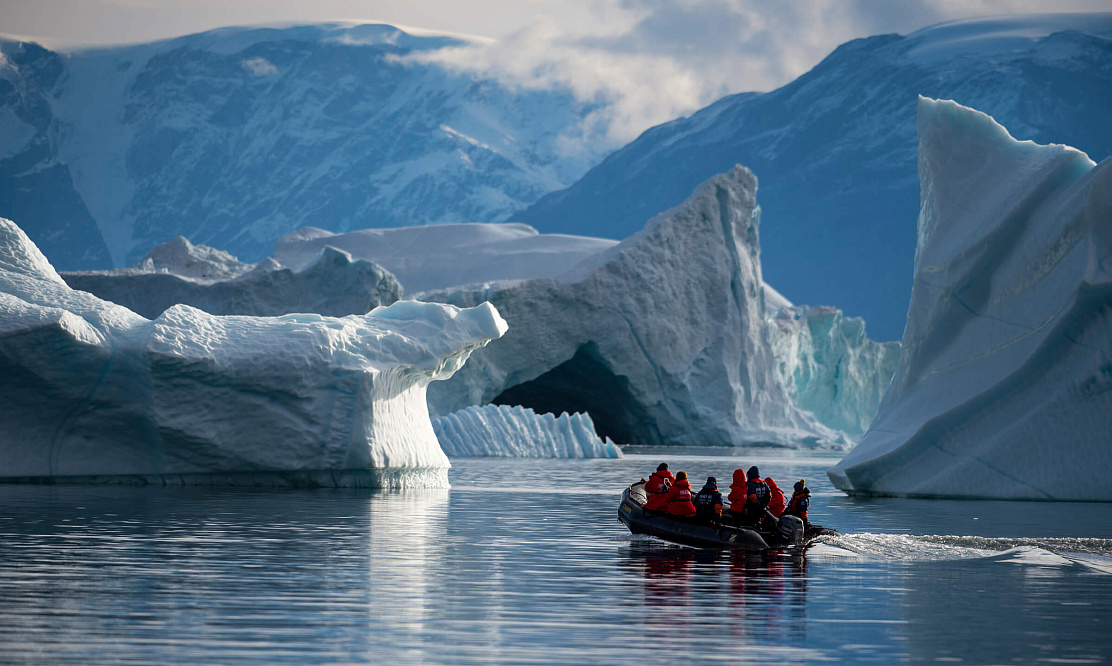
[791, 528]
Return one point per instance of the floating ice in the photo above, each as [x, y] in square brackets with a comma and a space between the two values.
[662, 338]
[512, 431]
[448, 255]
[1004, 388]
[830, 368]
[329, 283]
[92, 391]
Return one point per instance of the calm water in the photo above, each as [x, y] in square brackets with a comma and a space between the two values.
[523, 561]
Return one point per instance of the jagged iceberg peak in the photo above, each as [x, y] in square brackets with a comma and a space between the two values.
[330, 282]
[1004, 388]
[662, 338]
[91, 391]
[198, 262]
[513, 431]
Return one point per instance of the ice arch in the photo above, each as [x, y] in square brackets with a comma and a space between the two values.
[586, 383]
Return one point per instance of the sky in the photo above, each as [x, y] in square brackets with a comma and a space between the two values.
[650, 60]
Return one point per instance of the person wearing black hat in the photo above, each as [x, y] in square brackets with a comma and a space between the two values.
[657, 488]
[708, 502]
[801, 500]
[757, 498]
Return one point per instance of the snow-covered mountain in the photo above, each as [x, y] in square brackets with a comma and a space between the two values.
[835, 150]
[237, 136]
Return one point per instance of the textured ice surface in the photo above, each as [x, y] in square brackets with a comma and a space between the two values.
[662, 338]
[829, 366]
[92, 391]
[513, 431]
[1004, 388]
[448, 255]
[329, 282]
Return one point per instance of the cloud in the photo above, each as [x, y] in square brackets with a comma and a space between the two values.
[259, 67]
[651, 61]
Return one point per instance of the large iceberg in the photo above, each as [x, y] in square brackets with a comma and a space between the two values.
[1004, 389]
[829, 366]
[329, 282]
[513, 431]
[448, 255]
[662, 338]
[92, 391]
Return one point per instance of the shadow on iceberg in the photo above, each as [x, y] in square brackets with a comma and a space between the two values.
[1004, 388]
[90, 391]
[661, 338]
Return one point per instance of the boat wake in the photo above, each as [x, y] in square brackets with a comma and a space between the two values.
[1095, 554]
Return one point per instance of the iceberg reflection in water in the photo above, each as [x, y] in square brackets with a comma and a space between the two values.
[523, 560]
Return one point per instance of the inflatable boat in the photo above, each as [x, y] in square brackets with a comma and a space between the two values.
[790, 530]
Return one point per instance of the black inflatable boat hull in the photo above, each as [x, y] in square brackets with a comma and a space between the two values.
[695, 534]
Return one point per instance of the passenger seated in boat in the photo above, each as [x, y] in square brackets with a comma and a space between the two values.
[778, 503]
[708, 502]
[757, 498]
[679, 497]
[801, 500]
[657, 488]
[738, 493]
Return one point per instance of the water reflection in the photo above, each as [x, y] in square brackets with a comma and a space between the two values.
[750, 595]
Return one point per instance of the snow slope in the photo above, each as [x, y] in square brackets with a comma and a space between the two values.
[1004, 389]
[237, 136]
[662, 338]
[835, 150]
[505, 431]
[330, 283]
[448, 255]
[92, 391]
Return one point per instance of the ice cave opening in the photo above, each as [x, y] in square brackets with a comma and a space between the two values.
[585, 383]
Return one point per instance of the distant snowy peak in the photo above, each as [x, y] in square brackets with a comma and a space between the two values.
[234, 137]
[835, 150]
[184, 259]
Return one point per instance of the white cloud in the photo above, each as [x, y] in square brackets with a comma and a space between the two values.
[259, 67]
[654, 60]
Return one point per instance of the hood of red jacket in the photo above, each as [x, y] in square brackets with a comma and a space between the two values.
[739, 477]
[771, 484]
[682, 483]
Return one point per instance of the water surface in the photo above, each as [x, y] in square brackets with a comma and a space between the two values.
[523, 561]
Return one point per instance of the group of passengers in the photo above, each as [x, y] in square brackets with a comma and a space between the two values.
[752, 499]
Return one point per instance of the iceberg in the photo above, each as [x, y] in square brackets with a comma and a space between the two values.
[513, 431]
[1004, 388]
[330, 283]
[829, 366]
[91, 391]
[661, 338]
[448, 255]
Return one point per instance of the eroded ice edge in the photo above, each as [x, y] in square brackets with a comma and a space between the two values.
[90, 391]
[1004, 387]
[513, 431]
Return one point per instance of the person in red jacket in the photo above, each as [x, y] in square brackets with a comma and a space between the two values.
[778, 503]
[657, 488]
[679, 497]
[737, 497]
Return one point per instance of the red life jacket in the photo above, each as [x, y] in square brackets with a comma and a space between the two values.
[738, 491]
[679, 499]
[776, 505]
[798, 505]
[656, 482]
